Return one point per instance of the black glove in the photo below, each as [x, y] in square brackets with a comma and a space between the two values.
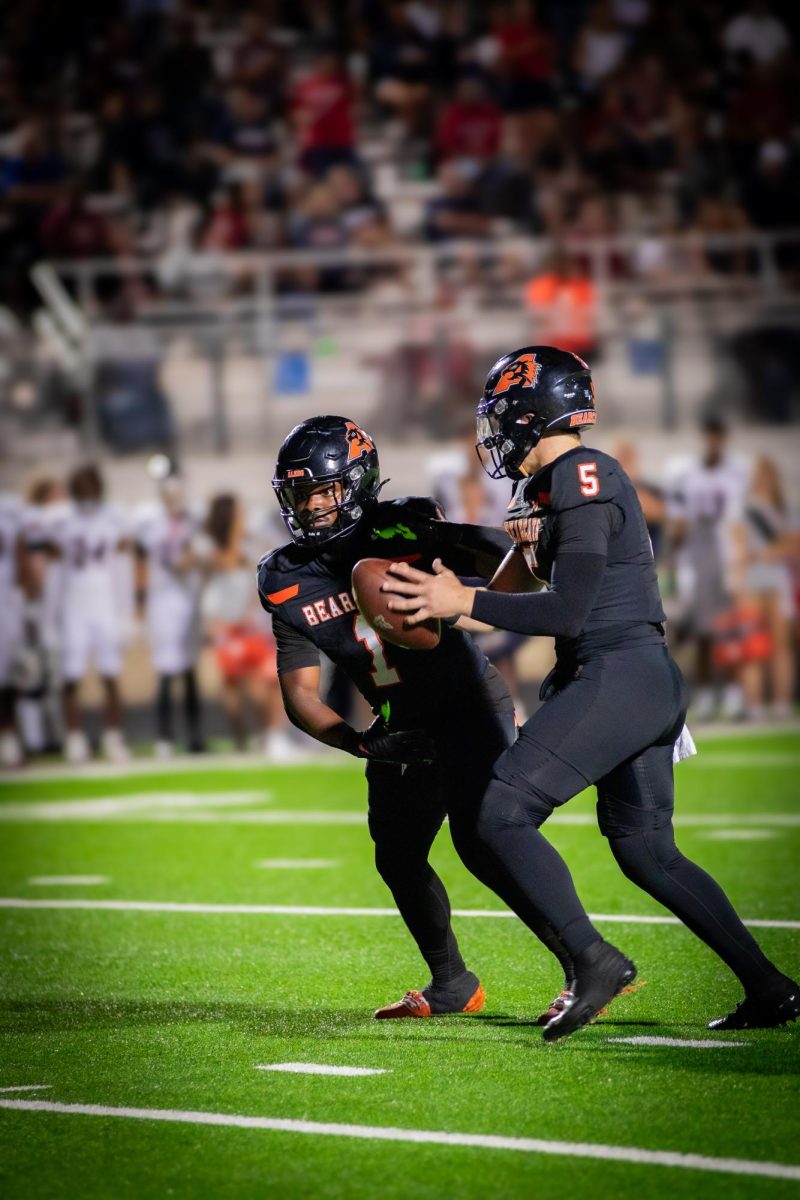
[474, 541]
[406, 746]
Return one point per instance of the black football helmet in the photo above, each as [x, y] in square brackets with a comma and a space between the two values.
[528, 393]
[326, 450]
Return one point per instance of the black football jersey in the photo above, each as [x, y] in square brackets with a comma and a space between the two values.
[309, 595]
[572, 496]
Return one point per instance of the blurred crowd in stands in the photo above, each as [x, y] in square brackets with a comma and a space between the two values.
[171, 133]
[80, 577]
[169, 129]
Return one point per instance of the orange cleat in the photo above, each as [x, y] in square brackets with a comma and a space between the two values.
[414, 1004]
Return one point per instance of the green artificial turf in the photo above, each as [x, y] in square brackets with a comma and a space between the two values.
[176, 1010]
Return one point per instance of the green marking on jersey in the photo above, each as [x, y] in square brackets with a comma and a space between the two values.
[386, 710]
[396, 531]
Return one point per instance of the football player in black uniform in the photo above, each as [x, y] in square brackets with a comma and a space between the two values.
[431, 747]
[614, 704]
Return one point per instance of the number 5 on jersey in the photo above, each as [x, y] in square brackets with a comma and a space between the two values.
[587, 474]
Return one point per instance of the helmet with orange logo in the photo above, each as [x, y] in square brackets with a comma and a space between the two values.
[529, 393]
[332, 451]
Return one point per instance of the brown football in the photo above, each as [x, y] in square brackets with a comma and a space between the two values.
[368, 575]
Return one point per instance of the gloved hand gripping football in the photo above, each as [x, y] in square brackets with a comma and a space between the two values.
[406, 746]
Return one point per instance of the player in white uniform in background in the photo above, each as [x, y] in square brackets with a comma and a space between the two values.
[11, 623]
[164, 539]
[96, 600]
[706, 501]
[40, 708]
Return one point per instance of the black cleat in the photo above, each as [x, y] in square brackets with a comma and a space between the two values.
[601, 973]
[557, 1006]
[769, 1009]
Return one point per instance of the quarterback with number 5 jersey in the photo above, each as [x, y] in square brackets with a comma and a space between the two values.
[614, 705]
[442, 716]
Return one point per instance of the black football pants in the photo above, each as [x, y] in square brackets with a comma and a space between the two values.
[407, 807]
[611, 722]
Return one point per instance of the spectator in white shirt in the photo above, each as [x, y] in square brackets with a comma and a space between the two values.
[758, 32]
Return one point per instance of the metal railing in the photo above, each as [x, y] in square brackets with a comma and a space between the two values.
[675, 288]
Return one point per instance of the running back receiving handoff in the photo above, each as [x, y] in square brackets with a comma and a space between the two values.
[442, 716]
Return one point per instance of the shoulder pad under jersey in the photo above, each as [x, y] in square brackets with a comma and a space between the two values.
[273, 571]
[583, 476]
[409, 507]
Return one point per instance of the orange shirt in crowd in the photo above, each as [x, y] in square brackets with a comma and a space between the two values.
[565, 310]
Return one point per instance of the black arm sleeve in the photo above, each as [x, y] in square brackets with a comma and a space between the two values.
[577, 574]
[469, 549]
[561, 611]
[294, 650]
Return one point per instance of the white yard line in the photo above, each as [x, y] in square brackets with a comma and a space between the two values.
[632, 919]
[100, 807]
[198, 810]
[297, 816]
[295, 864]
[317, 910]
[359, 817]
[28, 1087]
[483, 1141]
[166, 812]
[299, 1068]
[785, 820]
[690, 1043]
[180, 765]
[67, 880]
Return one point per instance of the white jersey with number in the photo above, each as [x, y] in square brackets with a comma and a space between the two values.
[40, 523]
[11, 602]
[88, 538]
[95, 587]
[173, 593]
[711, 500]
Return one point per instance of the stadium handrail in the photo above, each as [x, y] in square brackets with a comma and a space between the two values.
[597, 250]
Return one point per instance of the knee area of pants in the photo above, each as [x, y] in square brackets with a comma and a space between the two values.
[619, 819]
[500, 811]
[399, 860]
[637, 852]
[526, 794]
[470, 848]
[630, 853]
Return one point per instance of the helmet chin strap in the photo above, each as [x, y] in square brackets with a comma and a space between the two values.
[513, 461]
